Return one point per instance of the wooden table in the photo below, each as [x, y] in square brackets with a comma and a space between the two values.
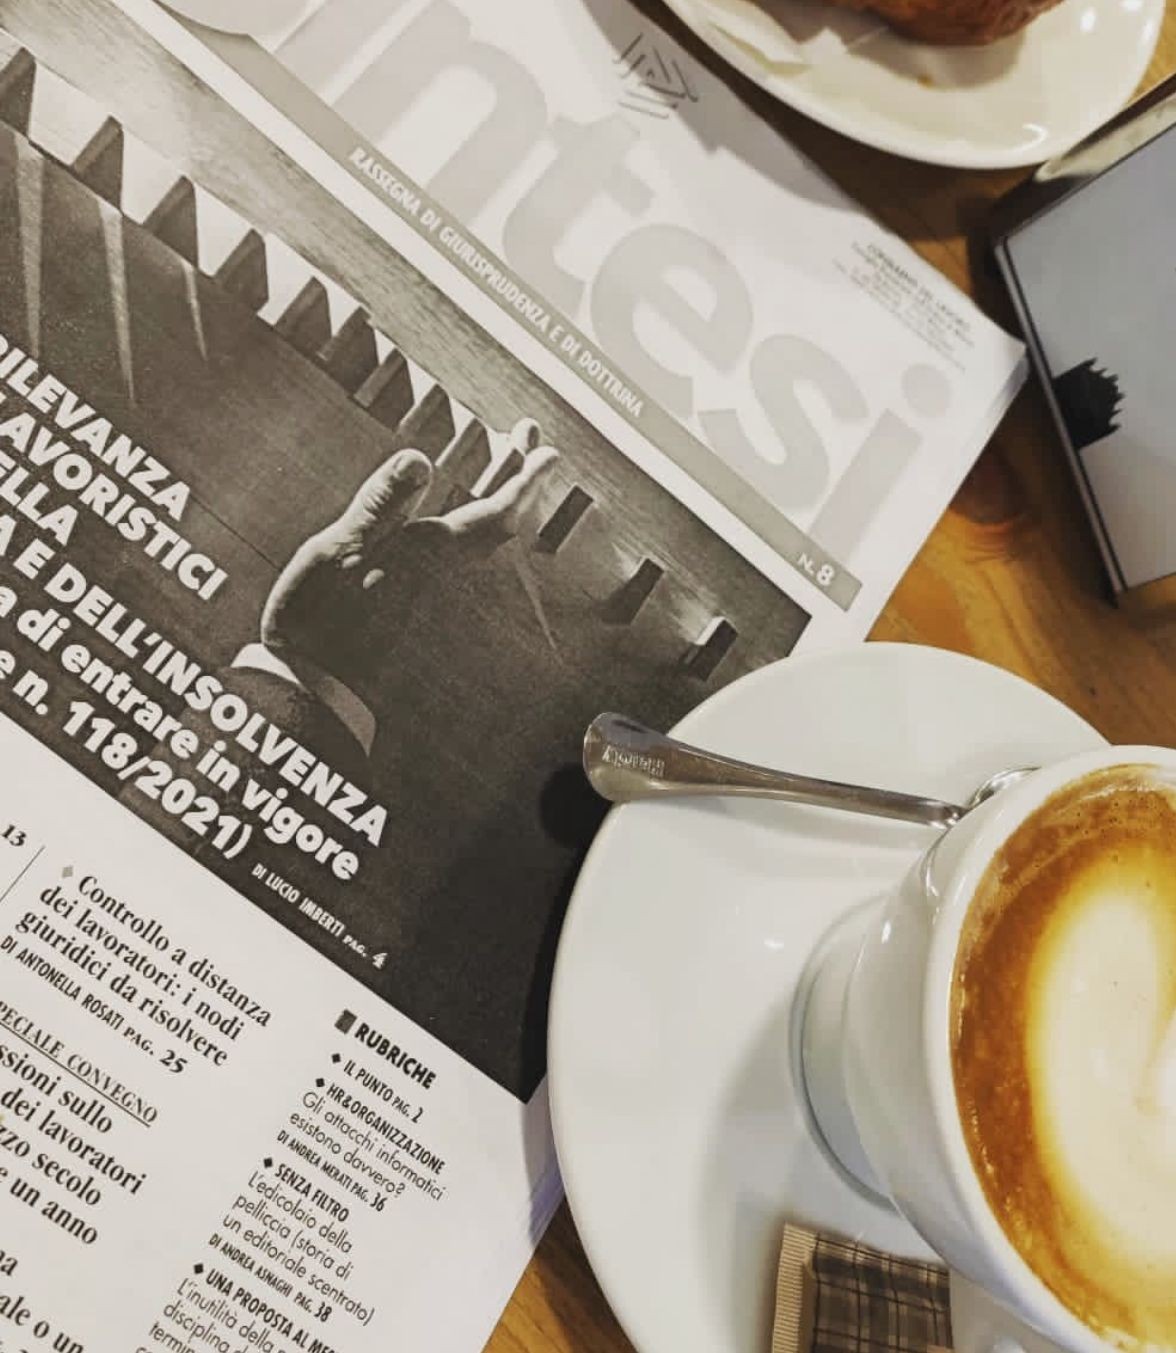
[1011, 574]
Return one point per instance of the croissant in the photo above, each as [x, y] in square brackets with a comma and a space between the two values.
[954, 22]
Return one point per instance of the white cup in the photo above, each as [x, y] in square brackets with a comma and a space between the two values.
[876, 1049]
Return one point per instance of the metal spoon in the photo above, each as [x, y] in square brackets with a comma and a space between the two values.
[625, 761]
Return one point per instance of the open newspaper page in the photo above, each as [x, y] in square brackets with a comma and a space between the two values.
[303, 609]
[685, 275]
[315, 561]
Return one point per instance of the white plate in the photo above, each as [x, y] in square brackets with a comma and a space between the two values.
[1018, 101]
[680, 1136]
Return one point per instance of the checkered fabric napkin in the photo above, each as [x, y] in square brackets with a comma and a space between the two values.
[833, 1296]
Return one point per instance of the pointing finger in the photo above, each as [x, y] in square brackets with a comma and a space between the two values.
[491, 520]
[386, 499]
[525, 436]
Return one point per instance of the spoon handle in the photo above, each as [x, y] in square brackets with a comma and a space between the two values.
[625, 761]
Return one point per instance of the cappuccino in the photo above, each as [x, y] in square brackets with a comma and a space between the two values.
[1063, 1049]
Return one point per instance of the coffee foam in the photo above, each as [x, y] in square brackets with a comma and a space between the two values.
[1064, 1049]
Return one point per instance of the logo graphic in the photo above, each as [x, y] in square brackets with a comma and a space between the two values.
[651, 84]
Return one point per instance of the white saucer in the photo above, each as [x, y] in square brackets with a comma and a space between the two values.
[1015, 102]
[682, 1144]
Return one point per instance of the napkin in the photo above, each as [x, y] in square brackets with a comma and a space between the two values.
[777, 34]
[835, 1296]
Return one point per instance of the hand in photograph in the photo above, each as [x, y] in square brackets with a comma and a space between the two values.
[348, 590]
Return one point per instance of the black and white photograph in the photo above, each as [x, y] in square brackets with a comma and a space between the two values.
[379, 576]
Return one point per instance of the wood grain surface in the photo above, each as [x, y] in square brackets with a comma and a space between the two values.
[1011, 575]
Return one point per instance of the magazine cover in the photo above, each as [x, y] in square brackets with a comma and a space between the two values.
[305, 604]
[325, 530]
[685, 272]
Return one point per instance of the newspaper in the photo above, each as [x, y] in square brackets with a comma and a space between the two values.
[321, 541]
[668, 262]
